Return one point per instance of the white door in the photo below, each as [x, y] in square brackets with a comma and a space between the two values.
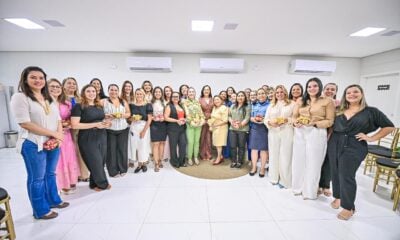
[383, 92]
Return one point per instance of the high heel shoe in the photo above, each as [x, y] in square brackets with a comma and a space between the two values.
[253, 173]
[221, 160]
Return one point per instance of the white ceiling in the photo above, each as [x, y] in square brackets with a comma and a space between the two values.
[281, 27]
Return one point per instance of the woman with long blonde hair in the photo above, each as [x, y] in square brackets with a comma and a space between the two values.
[348, 145]
[278, 119]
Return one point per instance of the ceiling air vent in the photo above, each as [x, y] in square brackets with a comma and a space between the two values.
[391, 33]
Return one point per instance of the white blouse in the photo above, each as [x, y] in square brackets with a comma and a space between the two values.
[117, 123]
[281, 110]
[26, 110]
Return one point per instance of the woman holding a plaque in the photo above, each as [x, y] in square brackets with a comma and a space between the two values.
[278, 119]
[312, 115]
[139, 133]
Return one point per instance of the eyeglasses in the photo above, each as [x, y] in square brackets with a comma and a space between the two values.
[57, 87]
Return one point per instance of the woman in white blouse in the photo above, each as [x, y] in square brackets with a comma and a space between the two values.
[39, 119]
[280, 137]
[117, 110]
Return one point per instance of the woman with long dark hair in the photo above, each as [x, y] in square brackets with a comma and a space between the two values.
[295, 92]
[117, 111]
[183, 92]
[206, 102]
[88, 116]
[158, 128]
[167, 98]
[174, 115]
[239, 117]
[99, 87]
[312, 115]
[128, 94]
[41, 131]
[348, 147]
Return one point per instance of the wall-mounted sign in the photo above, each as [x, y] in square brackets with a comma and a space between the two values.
[383, 87]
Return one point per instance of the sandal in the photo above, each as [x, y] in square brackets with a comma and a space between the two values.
[327, 192]
[335, 205]
[156, 167]
[345, 216]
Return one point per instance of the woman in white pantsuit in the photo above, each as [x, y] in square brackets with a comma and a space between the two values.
[312, 115]
[139, 132]
[278, 119]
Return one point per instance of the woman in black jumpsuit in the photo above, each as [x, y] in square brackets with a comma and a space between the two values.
[88, 116]
[348, 147]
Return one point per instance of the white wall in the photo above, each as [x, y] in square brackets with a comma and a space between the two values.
[260, 69]
[382, 69]
[381, 63]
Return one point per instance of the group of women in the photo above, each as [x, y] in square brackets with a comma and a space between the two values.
[65, 135]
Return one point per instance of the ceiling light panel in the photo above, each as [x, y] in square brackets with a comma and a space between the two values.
[366, 32]
[24, 23]
[202, 26]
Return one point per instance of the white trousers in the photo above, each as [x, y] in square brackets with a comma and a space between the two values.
[309, 148]
[138, 148]
[280, 144]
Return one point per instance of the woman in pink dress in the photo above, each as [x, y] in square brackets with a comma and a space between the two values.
[68, 166]
[206, 103]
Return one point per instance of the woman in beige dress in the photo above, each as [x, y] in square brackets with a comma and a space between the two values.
[219, 126]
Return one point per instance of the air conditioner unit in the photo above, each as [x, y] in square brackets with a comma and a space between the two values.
[221, 65]
[313, 67]
[158, 64]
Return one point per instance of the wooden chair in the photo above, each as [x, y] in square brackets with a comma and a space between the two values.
[396, 191]
[386, 148]
[386, 167]
[6, 217]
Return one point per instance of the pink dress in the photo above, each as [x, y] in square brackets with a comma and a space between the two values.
[68, 165]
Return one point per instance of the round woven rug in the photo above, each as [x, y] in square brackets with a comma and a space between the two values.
[206, 170]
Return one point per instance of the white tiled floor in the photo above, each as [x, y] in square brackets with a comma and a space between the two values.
[170, 205]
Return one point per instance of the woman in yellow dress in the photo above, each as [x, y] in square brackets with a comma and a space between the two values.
[219, 126]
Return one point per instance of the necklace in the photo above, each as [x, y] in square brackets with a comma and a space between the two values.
[46, 106]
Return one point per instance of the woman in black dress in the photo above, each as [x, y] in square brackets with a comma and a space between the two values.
[348, 147]
[88, 116]
[158, 128]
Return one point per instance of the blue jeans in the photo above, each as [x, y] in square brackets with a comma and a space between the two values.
[41, 183]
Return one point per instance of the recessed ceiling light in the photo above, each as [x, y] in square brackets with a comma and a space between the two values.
[368, 31]
[24, 23]
[202, 26]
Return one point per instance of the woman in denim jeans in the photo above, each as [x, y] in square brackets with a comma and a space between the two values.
[39, 118]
